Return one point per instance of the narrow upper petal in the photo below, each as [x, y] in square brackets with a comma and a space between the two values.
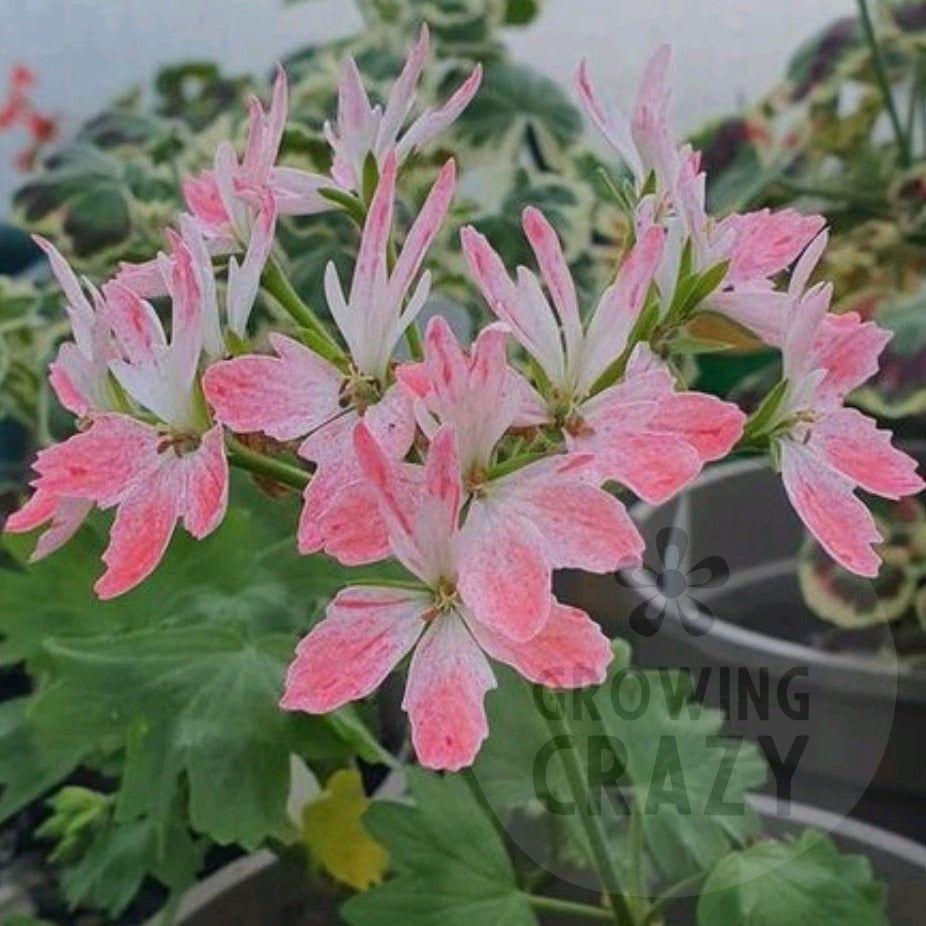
[347, 656]
[244, 280]
[556, 275]
[402, 95]
[432, 122]
[620, 307]
[824, 501]
[614, 127]
[447, 683]
[569, 652]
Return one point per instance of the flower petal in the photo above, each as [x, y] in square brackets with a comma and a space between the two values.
[767, 242]
[284, 397]
[824, 501]
[346, 656]
[205, 485]
[140, 533]
[569, 652]
[582, 526]
[852, 444]
[503, 573]
[447, 683]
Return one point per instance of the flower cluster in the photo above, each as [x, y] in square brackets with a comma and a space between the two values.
[479, 468]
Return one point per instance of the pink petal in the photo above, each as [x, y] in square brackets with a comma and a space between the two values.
[707, 423]
[649, 126]
[298, 192]
[764, 312]
[423, 232]
[824, 501]
[614, 128]
[66, 516]
[140, 534]
[447, 683]
[434, 121]
[203, 199]
[852, 444]
[555, 271]
[768, 242]
[620, 306]
[285, 397]
[581, 525]
[348, 655]
[144, 279]
[72, 398]
[244, 280]
[370, 269]
[205, 495]
[569, 652]
[504, 575]
[340, 516]
[134, 323]
[99, 464]
[848, 349]
[523, 307]
[402, 95]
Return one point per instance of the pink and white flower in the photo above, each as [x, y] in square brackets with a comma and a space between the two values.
[546, 515]
[154, 474]
[300, 395]
[640, 430]
[369, 630]
[362, 130]
[826, 449]
[232, 206]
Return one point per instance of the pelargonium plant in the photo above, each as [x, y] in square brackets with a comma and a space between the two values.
[479, 468]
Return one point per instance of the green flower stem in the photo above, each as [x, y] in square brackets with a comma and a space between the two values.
[903, 143]
[558, 722]
[568, 907]
[278, 285]
[269, 467]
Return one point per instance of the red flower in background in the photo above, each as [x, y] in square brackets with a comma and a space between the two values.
[18, 109]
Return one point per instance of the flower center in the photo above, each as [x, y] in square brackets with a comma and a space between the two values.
[359, 391]
[446, 599]
[181, 442]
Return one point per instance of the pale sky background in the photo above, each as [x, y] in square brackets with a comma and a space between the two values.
[88, 51]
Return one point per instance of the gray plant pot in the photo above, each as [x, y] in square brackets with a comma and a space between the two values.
[755, 648]
[262, 890]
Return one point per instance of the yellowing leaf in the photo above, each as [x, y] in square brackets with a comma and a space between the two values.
[335, 835]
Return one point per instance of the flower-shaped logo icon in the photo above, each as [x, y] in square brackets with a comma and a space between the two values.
[669, 589]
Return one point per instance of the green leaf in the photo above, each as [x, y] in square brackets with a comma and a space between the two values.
[197, 703]
[803, 880]
[450, 866]
[515, 98]
[689, 781]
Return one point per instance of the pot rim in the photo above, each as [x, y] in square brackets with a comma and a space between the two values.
[856, 675]
[865, 836]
